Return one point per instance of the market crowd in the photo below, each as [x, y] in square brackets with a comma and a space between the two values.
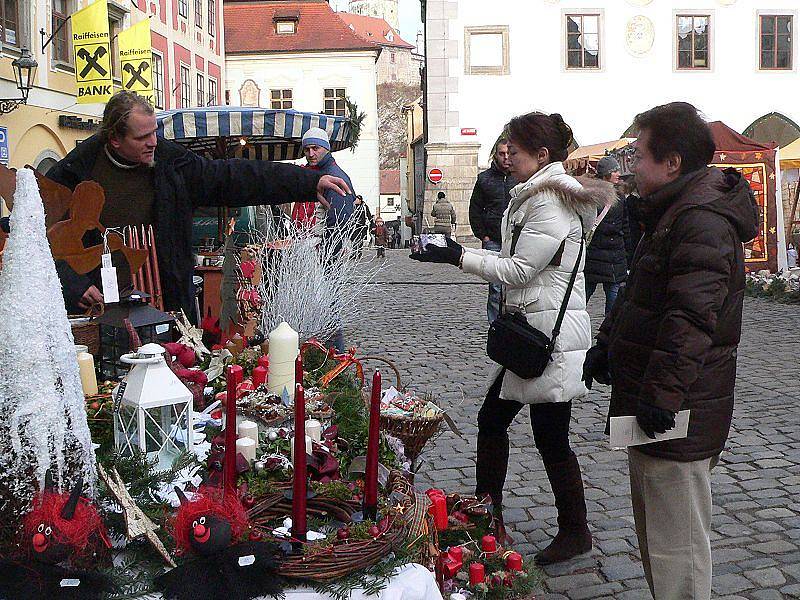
[666, 245]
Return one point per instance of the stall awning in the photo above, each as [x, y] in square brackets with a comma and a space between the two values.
[598, 151]
[790, 155]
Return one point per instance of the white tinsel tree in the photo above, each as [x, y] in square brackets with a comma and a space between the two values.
[42, 411]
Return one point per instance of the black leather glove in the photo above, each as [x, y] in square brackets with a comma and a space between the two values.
[436, 254]
[595, 367]
[653, 419]
[5, 225]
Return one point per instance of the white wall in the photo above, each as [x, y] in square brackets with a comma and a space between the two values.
[307, 75]
[600, 105]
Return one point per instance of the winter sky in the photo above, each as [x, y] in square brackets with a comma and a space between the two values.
[410, 21]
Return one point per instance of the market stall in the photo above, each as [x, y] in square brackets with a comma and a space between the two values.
[584, 159]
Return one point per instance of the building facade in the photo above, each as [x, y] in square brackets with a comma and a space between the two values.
[598, 67]
[187, 63]
[389, 206]
[301, 56]
[382, 9]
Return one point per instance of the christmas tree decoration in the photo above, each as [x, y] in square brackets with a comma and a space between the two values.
[43, 424]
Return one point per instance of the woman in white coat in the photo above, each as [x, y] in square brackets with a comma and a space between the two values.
[548, 213]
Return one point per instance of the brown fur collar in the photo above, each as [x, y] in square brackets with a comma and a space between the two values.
[594, 193]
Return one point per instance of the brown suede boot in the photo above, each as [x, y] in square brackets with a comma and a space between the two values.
[573, 537]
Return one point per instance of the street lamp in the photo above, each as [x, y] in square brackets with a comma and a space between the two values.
[25, 73]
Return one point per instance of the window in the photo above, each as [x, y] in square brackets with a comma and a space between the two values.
[10, 22]
[280, 99]
[183, 8]
[392, 57]
[212, 92]
[201, 90]
[776, 42]
[186, 87]
[692, 41]
[198, 13]
[285, 27]
[212, 14]
[486, 50]
[61, 45]
[390, 202]
[158, 80]
[583, 41]
[335, 104]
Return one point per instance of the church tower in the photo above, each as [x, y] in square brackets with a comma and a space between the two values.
[383, 9]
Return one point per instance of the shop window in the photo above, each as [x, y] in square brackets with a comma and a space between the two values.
[583, 41]
[692, 42]
[280, 99]
[486, 50]
[775, 42]
[335, 102]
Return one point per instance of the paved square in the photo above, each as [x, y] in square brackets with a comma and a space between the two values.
[431, 320]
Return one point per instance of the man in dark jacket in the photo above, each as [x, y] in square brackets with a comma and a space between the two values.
[151, 181]
[489, 200]
[606, 263]
[670, 342]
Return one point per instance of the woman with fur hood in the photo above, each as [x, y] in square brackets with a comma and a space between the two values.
[547, 215]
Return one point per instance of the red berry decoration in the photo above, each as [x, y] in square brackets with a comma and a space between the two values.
[384, 524]
[342, 533]
[374, 531]
[496, 581]
[248, 501]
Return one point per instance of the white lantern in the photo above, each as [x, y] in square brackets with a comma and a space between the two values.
[154, 413]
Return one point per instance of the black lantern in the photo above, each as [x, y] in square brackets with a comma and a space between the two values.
[25, 74]
[151, 324]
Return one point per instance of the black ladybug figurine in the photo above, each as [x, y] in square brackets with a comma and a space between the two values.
[60, 533]
[219, 566]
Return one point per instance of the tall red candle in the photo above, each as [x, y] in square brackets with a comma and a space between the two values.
[299, 527]
[298, 370]
[439, 511]
[373, 442]
[233, 377]
[259, 376]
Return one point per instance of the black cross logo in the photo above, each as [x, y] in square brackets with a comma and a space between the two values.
[136, 74]
[92, 61]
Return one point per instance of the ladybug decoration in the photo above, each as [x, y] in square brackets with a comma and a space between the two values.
[62, 532]
[218, 566]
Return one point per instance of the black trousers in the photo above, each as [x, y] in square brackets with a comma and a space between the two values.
[550, 424]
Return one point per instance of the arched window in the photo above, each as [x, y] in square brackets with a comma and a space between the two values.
[45, 165]
[773, 127]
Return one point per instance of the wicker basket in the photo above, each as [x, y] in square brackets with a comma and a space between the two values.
[340, 559]
[414, 432]
[86, 329]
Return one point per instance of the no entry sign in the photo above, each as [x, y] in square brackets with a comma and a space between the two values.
[435, 175]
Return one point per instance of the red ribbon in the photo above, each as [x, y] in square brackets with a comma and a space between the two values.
[345, 360]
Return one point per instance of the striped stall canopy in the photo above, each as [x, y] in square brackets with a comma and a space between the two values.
[268, 134]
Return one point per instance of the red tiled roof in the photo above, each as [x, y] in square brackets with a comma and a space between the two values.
[374, 29]
[390, 181]
[249, 27]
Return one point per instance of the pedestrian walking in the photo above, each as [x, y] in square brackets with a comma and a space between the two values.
[487, 204]
[606, 259]
[381, 233]
[362, 221]
[542, 242]
[444, 215]
[670, 342]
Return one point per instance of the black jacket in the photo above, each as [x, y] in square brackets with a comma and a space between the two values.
[673, 331]
[606, 260]
[183, 181]
[489, 200]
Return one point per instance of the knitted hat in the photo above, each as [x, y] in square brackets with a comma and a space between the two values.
[607, 165]
[440, 195]
[318, 137]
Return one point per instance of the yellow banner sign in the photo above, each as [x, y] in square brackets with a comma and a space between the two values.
[91, 41]
[136, 59]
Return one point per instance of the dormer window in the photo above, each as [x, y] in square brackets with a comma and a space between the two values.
[286, 27]
[390, 36]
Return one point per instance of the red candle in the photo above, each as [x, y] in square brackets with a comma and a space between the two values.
[371, 476]
[439, 511]
[233, 378]
[476, 573]
[299, 526]
[489, 543]
[456, 553]
[259, 376]
[514, 561]
[298, 370]
[263, 361]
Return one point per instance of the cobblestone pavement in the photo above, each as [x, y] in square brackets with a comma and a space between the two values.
[431, 320]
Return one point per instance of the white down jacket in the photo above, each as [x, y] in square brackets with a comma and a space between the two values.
[549, 206]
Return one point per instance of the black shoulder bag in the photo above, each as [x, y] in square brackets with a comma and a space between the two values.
[518, 346]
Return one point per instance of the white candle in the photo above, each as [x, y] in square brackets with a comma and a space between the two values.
[314, 430]
[308, 446]
[88, 375]
[248, 429]
[284, 346]
[247, 448]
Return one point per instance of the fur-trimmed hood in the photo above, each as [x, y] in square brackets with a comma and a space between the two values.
[583, 195]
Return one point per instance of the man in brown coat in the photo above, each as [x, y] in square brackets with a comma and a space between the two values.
[670, 342]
